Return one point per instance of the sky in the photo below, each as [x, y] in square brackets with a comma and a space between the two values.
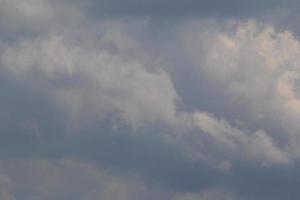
[149, 99]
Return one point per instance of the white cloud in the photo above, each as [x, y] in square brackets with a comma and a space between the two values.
[90, 81]
[255, 67]
[101, 82]
[237, 143]
[95, 69]
[108, 76]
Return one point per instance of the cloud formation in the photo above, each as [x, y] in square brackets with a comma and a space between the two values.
[256, 69]
[110, 108]
[107, 83]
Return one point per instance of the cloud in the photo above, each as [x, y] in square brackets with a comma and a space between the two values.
[107, 78]
[255, 69]
[206, 195]
[68, 178]
[175, 9]
[192, 109]
[33, 17]
[95, 81]
[256, 146]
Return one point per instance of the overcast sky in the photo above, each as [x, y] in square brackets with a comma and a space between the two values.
[149, 99]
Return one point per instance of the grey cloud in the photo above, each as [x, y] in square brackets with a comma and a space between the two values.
[177, 8]
[198, 110]
[68, 178]
[251, 73]
[110, 83]
[122, 150]
[31, 18]
[113, 85]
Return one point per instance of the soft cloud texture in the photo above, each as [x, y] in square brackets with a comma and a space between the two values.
[99, 108]
[108, 83]
[30, 17]
[69, 178]
[256, 69]
[92, 83]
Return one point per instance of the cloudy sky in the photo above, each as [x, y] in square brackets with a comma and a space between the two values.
[149, 99]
